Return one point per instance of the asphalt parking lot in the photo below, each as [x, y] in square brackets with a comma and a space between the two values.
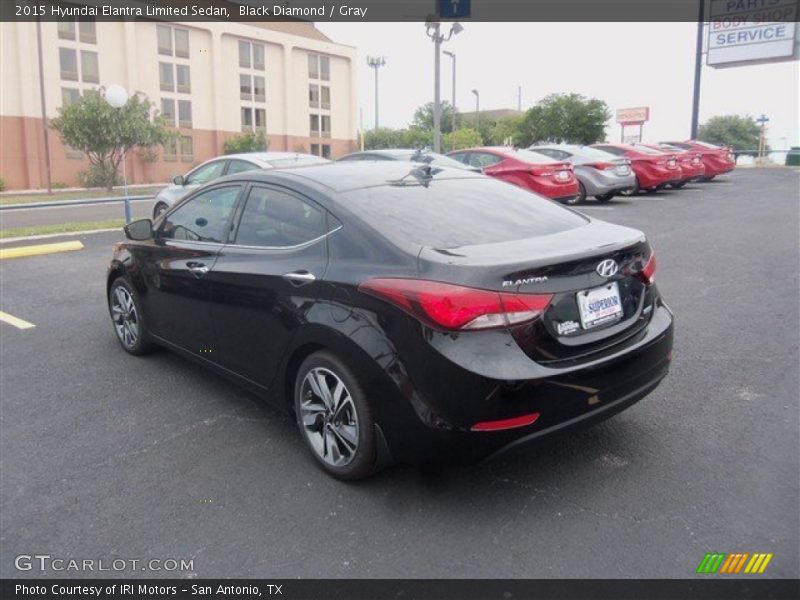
[103, 455]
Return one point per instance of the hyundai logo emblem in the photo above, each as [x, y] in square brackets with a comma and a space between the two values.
[607, 268]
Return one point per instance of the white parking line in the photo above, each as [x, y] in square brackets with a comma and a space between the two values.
[16, 322]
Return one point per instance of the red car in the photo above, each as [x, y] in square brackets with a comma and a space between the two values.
[716, 159]
[690, 162]
[530, 170]
[654, 169]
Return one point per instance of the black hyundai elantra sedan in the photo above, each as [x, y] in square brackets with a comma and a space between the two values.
[401, 312]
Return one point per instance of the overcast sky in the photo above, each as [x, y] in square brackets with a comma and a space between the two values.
[625, 64]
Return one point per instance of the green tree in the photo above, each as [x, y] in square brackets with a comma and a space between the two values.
[247, 142]
[105, 134]
[505, 129]
[741, 133]
[423, 117]
[465, 138]
[383, 137]
[570, 118]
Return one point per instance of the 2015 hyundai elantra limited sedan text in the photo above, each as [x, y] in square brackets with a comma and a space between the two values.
[401, 312]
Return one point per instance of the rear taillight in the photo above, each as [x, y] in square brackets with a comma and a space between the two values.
[648, 273]
[454, 307]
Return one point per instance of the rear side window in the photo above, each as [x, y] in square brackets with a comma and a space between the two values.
[204, 218]
[272, 218]
[240, 166]
[459, 212]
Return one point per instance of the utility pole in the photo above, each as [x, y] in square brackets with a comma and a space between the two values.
[44, 108]
[477, 110]
[698, 67]
[433, 31]
[376, 62]
[453, 135]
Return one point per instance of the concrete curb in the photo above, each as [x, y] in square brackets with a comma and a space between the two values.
[78, 202]
[45, 236]
[23, 251]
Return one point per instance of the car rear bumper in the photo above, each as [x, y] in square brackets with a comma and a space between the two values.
[598, 183]
[563, 398]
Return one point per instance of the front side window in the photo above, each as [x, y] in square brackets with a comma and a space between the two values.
[204, 218]
[206, 173]
[483, 159]
[276, 219]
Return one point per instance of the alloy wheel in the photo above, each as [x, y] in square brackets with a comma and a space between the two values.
[125, 317]
[329, 417]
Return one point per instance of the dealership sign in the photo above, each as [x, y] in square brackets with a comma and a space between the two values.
[744, 32]
[633, 116]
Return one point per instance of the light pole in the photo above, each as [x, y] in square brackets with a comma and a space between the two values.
[117, 97]
[433, 30]
[453, 107]
[698, 69]
[376, 62]
[477, 109]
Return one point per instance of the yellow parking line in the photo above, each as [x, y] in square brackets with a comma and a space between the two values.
[12, 320]
[21, 251]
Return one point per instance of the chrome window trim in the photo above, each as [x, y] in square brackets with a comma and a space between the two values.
[295, 247]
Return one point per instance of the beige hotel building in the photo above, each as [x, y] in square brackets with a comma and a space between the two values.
[211, 80]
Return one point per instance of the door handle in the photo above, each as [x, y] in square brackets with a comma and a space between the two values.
[299, 278]
[197, 269]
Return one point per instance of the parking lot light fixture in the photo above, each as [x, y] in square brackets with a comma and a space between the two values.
[433, 31]
[117, 97]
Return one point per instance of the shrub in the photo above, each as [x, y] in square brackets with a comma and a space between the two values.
[2, 185]
[100, 175]
[247, 142]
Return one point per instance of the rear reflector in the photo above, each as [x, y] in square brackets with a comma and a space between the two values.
[506, 423]
[454, 307]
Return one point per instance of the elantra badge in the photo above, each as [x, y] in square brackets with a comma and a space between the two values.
[525, 281]
[607, 268]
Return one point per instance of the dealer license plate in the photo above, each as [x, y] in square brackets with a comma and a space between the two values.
[599, 305]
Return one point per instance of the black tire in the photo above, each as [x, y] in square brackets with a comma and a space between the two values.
[633, 191]
[353, 402]
[159, 209]
[679, 185]
[709, 178]
[652, 190]
[604, 197]
[581, 193]
[133, 337]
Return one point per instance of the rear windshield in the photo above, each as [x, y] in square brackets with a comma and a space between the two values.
[297, 161]
[440, 160]
[594, 153]
[532, 157]
[709, 146]
[459, 212]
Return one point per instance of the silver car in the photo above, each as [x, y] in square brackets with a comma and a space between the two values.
[600, 174]
[228, 165]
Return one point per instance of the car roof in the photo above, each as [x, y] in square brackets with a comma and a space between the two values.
[263, 158]
[347, 176]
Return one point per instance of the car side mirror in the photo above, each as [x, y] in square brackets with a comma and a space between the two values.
[140, 230]
[178, 180]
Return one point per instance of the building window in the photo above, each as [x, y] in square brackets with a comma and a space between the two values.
[184, 113]
[247, 119]
[259, 89]
[245, 87]
[313, 66]
[164, 35]
[182, 43]
[244, 54]
[171, 150]
[66, 30]
[326, 150]
[315, 149]
[325, 96]
[261, 118]
[313, 95]
[87, 31]
[166, 77]
[68, 59]
[69, 96]
[90, 70]
[326, 126]
[187, 149]
[182, 79]
[258, 57]
[325, 68]
[168, 111]
[314, 125]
